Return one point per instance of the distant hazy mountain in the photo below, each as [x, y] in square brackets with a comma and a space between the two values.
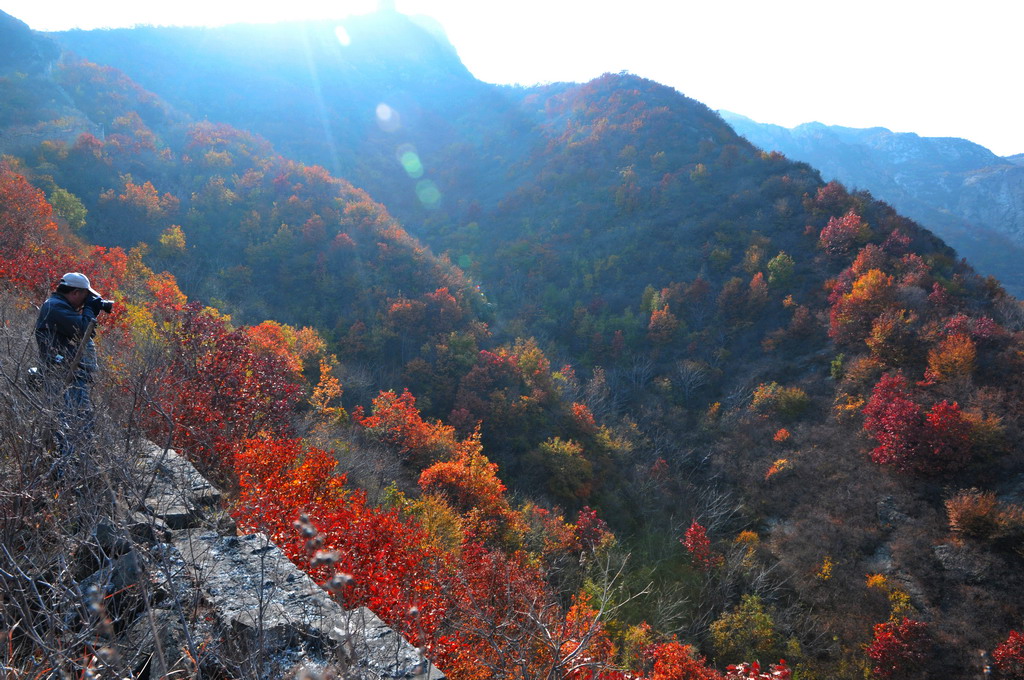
[963, 192]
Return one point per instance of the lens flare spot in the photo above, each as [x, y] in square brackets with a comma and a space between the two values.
[411, 162]
[387, 118]
[428, 193]
[342, 35]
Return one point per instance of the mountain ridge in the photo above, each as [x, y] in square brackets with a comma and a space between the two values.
[968, 195]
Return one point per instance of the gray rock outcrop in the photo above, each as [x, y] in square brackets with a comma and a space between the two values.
[194, 598]
[283, 618]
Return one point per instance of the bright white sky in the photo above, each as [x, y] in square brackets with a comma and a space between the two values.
[942, 68]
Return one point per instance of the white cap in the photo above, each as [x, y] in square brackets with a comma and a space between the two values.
[77, 280]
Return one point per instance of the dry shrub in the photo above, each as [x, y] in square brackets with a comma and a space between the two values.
[973, 514]
[787, 403]
[860, 373]
[979, 515]
[76, 570]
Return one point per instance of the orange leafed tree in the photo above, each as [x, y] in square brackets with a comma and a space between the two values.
[391, 572]
[470, 484]
[396, 420]
[662, 326]
[952, 358]
[32, 253]
[853, 312]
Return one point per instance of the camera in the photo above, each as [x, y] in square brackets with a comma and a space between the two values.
[98, 304]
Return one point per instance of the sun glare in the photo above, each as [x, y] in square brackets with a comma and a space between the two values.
[387, 118]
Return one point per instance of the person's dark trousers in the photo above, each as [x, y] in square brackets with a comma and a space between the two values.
[75, 422]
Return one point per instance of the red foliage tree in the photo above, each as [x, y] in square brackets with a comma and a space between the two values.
[26, 219]
[480, 613]
[390, 569]
[697, 542]
[899, 648]
[677, 661]
[894, 419]
[396, 420]
[753, 671]
[443, 310]
[218, 391]
[908, 438]
[831, 198]
[32, 253]
[896, 242]
[498, 618]
[870, 257]
[1009, 657]
[590, 530]
[758, 292]
[947, 437]
[841, 233]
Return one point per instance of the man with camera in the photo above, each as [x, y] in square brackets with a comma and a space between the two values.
[64, 332]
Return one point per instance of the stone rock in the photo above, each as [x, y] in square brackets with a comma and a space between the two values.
[158, 641]
[261, 616]
[890, 515]
[174, 491]
[965, 563]
[880, 561]
[111, 539]
[281, 620]
[147, 529]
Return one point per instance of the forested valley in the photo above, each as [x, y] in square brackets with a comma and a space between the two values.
[576, 381]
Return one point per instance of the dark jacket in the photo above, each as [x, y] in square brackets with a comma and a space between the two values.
[59, 330]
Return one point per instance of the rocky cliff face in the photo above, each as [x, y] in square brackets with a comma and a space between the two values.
[963, 192]
[994, 195]
[183, 595]
[23, 50]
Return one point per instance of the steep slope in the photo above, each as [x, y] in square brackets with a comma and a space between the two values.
[962, 191]
[241, 227]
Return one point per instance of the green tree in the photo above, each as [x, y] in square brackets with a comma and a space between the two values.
[172, 241]
[780, 269]
[570, 476]
[67, 206]
[746, 633]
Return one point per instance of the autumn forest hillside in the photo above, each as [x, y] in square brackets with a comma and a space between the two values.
[577, 381]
